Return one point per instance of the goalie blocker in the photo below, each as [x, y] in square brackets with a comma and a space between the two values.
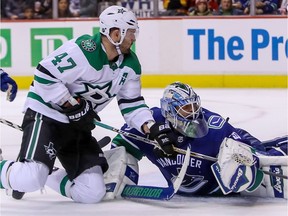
[238, 170]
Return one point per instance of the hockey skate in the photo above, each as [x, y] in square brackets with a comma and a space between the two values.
[17, 194]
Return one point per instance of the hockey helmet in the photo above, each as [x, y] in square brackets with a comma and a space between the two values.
[181, 106]
[117, 17]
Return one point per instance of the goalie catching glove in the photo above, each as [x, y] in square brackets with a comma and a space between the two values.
[237, 168]
[81, 115]
[160, 133]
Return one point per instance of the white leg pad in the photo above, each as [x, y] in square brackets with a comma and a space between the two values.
[24, 176]
[123, 170]
[272, 186]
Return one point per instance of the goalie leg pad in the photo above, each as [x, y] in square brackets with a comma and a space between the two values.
[272, 186]
[276, 186]
[123, 170]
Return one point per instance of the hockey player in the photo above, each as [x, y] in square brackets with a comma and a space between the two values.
[8, 85]
[207, 133]
[71, 86]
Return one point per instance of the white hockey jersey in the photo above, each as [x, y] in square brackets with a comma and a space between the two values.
[80, 68]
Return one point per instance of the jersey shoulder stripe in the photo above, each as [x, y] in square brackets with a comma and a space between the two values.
[35, 96]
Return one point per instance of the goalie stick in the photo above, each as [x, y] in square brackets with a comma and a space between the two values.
[102, 142]
[181, 151]
[158, 193]
[151, 142]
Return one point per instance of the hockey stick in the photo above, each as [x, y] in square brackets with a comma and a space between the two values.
[11, 124]
[102, 142]
[181, 151]
[151, 142]
[158, 193]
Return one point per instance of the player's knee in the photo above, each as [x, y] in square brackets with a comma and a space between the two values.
[87, 194]
[28, 176]
[89, 187]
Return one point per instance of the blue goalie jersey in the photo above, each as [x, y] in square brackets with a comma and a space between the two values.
[199, 179]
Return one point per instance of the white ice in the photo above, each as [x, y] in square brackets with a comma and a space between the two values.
[262, 112]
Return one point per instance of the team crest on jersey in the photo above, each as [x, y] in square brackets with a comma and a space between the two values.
[50, 150]
[216, 122]
[88, 45]
[97, 94]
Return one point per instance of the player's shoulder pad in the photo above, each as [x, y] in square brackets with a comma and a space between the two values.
[131, 60]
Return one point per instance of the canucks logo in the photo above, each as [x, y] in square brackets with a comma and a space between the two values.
[88, 45]
[191, 183]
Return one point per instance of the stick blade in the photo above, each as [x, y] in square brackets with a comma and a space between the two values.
[158, 193]
[179, 179]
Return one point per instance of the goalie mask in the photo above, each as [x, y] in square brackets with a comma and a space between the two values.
[181, 106]
[117, 17]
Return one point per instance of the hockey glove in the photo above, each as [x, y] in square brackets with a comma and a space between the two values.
[159, 153]
[238, 166]
[8, 84]
[160, 133]
[81, 115]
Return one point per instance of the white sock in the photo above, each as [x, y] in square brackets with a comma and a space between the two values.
[59, 182]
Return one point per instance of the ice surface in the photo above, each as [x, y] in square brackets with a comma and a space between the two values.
[262, 112]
